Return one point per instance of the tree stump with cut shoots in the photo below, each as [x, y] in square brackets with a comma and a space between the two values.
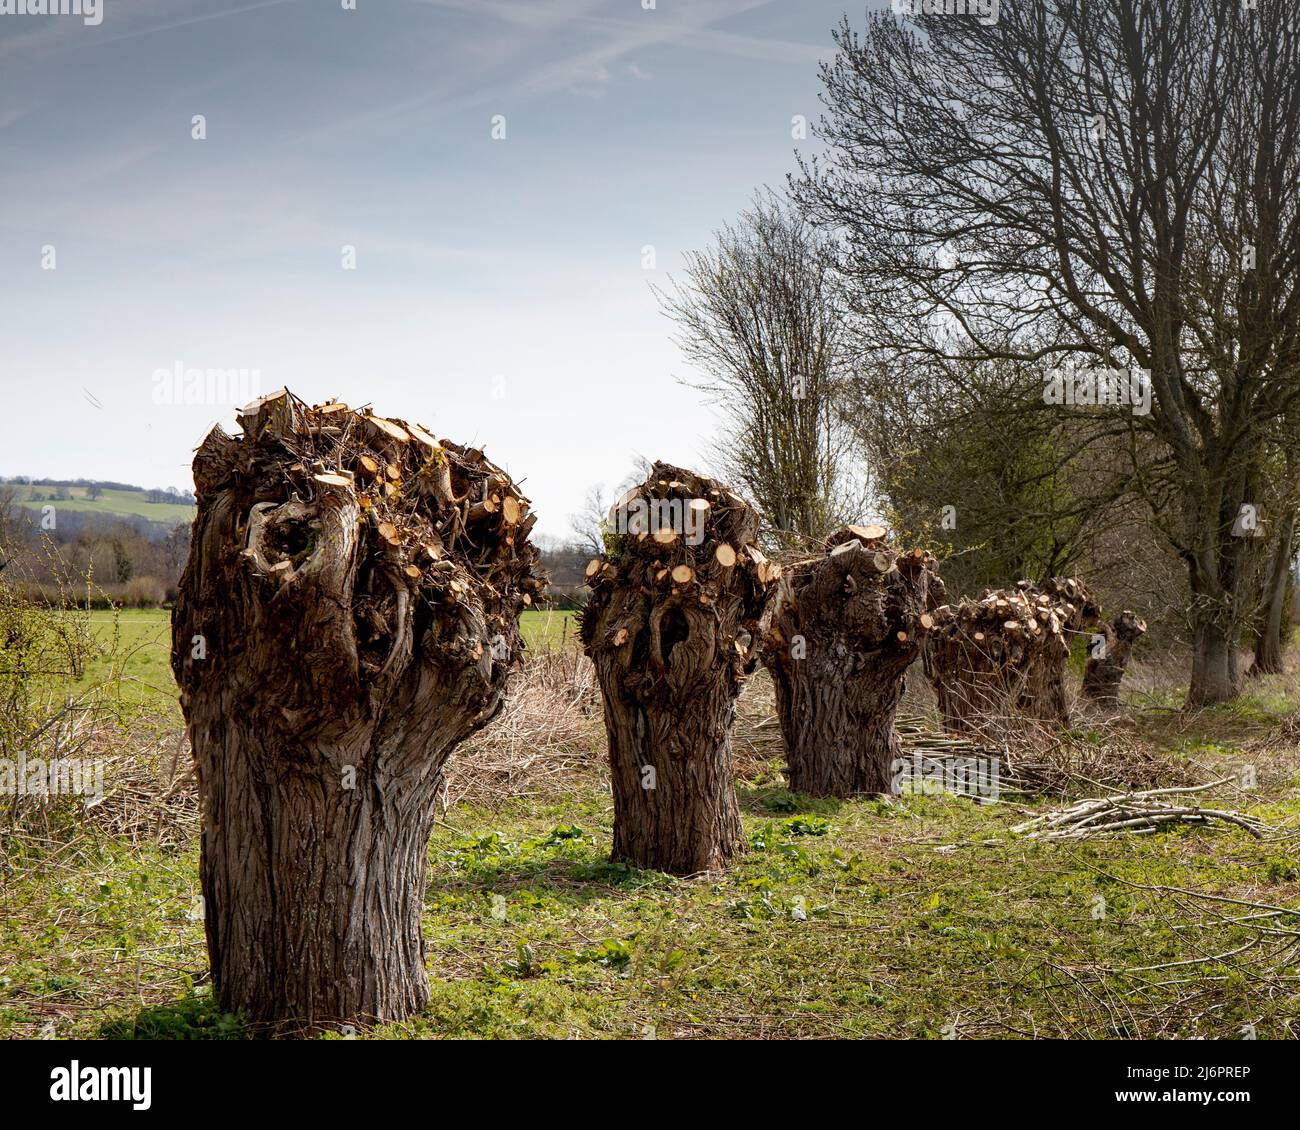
[348, 614]
[1108, 657]
[998, 663]
[845, 627]
[672, 627]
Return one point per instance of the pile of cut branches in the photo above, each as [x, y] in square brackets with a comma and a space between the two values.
[1137, 813]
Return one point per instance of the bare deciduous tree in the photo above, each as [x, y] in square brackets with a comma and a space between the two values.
[1122, 174]
[759, 314]
[1274, 605]
[591, 523]
[588, 522]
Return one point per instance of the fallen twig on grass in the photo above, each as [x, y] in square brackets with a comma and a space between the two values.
[1136, 812]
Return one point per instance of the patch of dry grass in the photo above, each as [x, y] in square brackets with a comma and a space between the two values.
[548, 739]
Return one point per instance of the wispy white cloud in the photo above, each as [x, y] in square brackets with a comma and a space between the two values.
[372, 128]
[533, 16]
[571, 44]
[198, 18]
[141, 20]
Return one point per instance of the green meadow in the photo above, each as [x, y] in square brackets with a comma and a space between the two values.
[111, 503]
[919, 916]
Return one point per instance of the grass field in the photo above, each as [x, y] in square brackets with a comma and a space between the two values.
[920, 916]
[126, 503]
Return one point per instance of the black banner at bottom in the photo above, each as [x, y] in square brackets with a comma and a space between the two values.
[338, 1078]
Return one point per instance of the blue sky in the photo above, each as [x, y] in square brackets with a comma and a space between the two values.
[499, 294]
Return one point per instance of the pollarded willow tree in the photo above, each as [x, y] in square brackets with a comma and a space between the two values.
[673, 627]
[1108, 654]
[844, 628]
[1069, 600]
[1112, 181]
[998, 662]
[348, 614]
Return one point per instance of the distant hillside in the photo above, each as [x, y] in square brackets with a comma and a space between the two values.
[117, 499]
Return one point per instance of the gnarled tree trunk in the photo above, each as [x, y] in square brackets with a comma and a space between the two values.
[672, 628]
[844, 628]
[1275, 612]
[1216, 672]
[999, 662]
[347, 615]
[1108, 657]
